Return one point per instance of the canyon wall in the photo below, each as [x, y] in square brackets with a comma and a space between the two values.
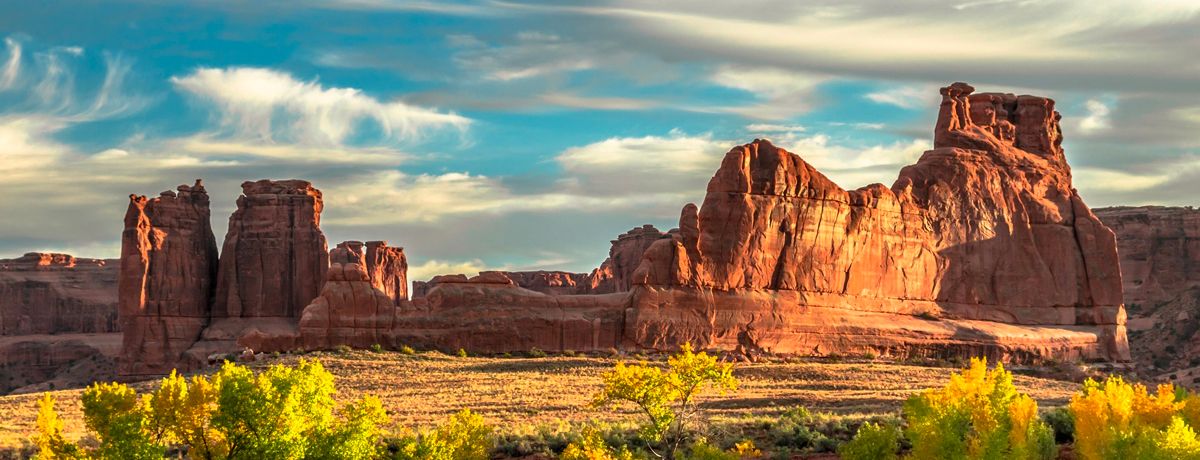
[58, 321]
[1160, 265]
[47, 293]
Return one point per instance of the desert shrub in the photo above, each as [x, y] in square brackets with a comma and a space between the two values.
[407, 350]
[591, 446]
[536, 352]
[793, 430]
[283, 412]
[1062, 423]
[376, 348]
[462, 353]
[873, 442]
[978, 415]
[465, 436]
[667, 396]
[1116, 419]
[342, 349]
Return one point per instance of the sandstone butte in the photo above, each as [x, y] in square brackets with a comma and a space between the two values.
[1160, 265]
[980, 248]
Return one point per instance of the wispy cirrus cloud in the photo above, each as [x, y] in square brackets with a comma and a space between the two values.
[269, 105]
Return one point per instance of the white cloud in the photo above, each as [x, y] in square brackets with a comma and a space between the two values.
[434, 267]
[268, 105]
[1121, 181]
[12, 66]
[774, 128]
[907, 97]
[782, 94]
[1097, 118]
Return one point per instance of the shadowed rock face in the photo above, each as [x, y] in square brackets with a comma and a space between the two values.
[274, 258]
[168, 268]
[1160, 265]
[46, 293]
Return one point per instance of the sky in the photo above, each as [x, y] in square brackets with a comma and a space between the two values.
[527, 135]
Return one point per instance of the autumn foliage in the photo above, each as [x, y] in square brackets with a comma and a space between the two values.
[283, 412]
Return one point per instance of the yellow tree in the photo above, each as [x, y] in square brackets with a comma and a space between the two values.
[667, 397]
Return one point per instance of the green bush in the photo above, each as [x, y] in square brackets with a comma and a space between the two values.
[462, 353]
[377, 348]
[407, 350]
[1062, 423]
[873, 442]
[283, 412]
[536, 352]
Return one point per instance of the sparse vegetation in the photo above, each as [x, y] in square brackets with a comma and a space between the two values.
[667, 397]
[537, 406]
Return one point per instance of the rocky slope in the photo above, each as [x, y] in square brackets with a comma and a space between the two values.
[1160, 264]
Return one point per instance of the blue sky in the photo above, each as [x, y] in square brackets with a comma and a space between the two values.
[527, 135]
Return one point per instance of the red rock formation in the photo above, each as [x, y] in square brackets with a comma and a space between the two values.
[43, 293]
[986, 227]
[552, 282]
[351, 309]
[1159, 249]
[388, 269]
[168, 264]
[615, 274]
[275, 256]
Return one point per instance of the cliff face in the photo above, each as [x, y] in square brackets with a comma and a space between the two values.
[986, 226]
[1159, 249]
[274, 257]
[45, 293]
[168, 265]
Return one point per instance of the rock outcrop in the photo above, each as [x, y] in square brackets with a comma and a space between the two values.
[352, 309]
[1159, 249]
[984, 230]
[274, 258]
[615, 274]
[47, 293]
[980, 248]
[168, 265]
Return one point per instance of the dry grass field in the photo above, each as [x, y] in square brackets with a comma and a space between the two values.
[517, 393]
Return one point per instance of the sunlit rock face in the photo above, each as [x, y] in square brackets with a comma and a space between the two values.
[984, 229]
